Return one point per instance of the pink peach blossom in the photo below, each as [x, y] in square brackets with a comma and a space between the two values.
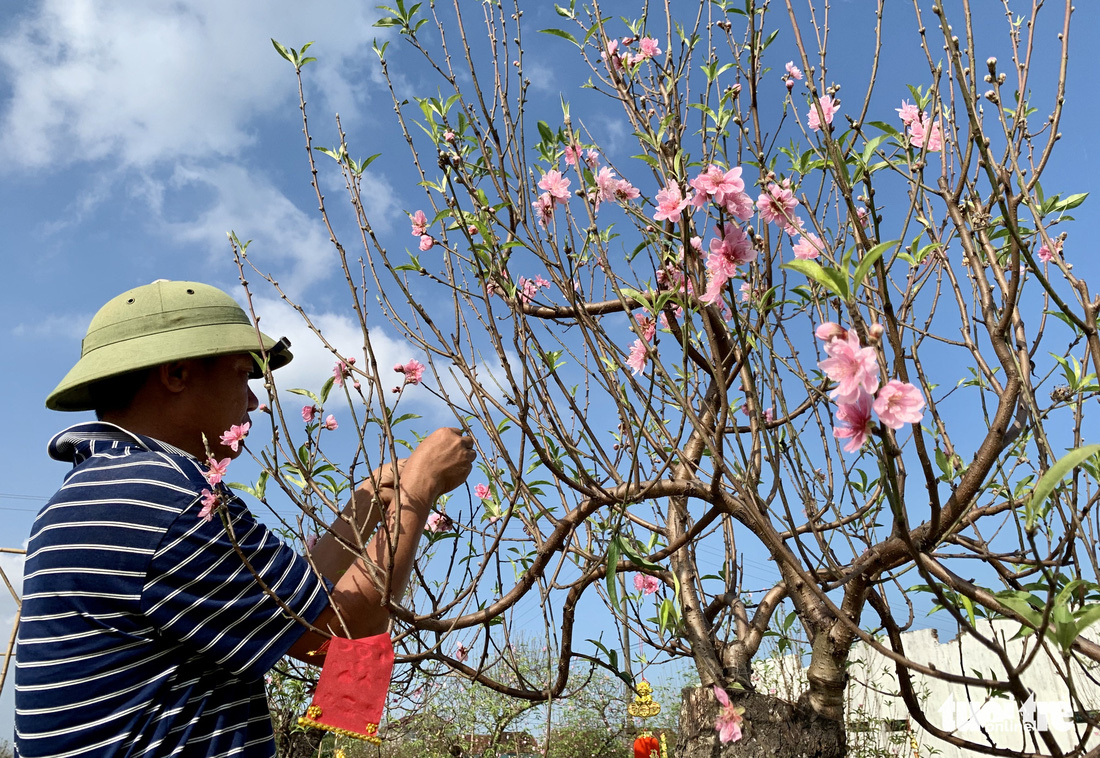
[777, 204]
[646, 584]
[606, 183]
[647, 48]
[637, 358]
[330, 423]
[427, 242]
[529, 288]
[209, 503]
[923, 135]
[852, 366]
[611, 55]
[739, 205]
[556, 185]
[908, 112]
[309, 412]
[670, 203]
[235, 435]
[544, 209]
[731, 250]
[437, 523]
[419, 223]
[808, 247]
[716, 184]
[340, 372]
[855, 420]
[793, 71]
[728, 723]
[216, 470]
[1046, 255]
[828, 109]
[482, 491]
[899, 403]
[413, 371]
[831, 331]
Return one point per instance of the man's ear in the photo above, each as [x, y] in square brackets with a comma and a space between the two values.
[175, 376]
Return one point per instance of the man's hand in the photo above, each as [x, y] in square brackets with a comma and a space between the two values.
[439, 464]
[383, 477]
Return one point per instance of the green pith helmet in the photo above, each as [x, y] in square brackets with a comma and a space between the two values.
[155, 324]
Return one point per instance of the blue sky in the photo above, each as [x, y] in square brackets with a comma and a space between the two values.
[133, 136]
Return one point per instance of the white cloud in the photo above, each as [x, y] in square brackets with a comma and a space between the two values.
[66, 326]
[542, 77]
[313, 362]
[286, 241]
[163, 80]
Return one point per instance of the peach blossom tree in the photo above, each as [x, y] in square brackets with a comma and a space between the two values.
[838, 333]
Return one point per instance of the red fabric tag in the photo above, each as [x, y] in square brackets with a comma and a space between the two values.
[355, 680]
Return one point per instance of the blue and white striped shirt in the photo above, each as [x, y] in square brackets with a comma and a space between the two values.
[143, 633]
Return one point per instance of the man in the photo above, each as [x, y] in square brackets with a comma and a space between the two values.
[154, 602]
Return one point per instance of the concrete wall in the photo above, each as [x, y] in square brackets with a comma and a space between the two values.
[879, 724]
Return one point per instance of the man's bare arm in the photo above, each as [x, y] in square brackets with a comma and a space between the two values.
[439, 464]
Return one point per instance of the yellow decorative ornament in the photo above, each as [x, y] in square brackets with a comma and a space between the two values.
[643, 706]
[646, 745]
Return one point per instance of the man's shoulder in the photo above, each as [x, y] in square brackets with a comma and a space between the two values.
[105, 454]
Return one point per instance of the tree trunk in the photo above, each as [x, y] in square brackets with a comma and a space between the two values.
[771, 727]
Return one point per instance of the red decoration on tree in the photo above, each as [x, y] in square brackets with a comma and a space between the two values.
[647, 746]
[351, 692]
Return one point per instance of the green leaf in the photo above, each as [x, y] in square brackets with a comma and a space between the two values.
[831, 279]
[1052, 478]
[561, 33]
[282, 50]
[869, 260]
[1070, 202]
[634, 557]
[326, 388]
[564, 12]
[885, 127]
[612, 569]
[306, 393]
[1065, 629]
[968, 606]
[872, 145]
[1087, 618]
